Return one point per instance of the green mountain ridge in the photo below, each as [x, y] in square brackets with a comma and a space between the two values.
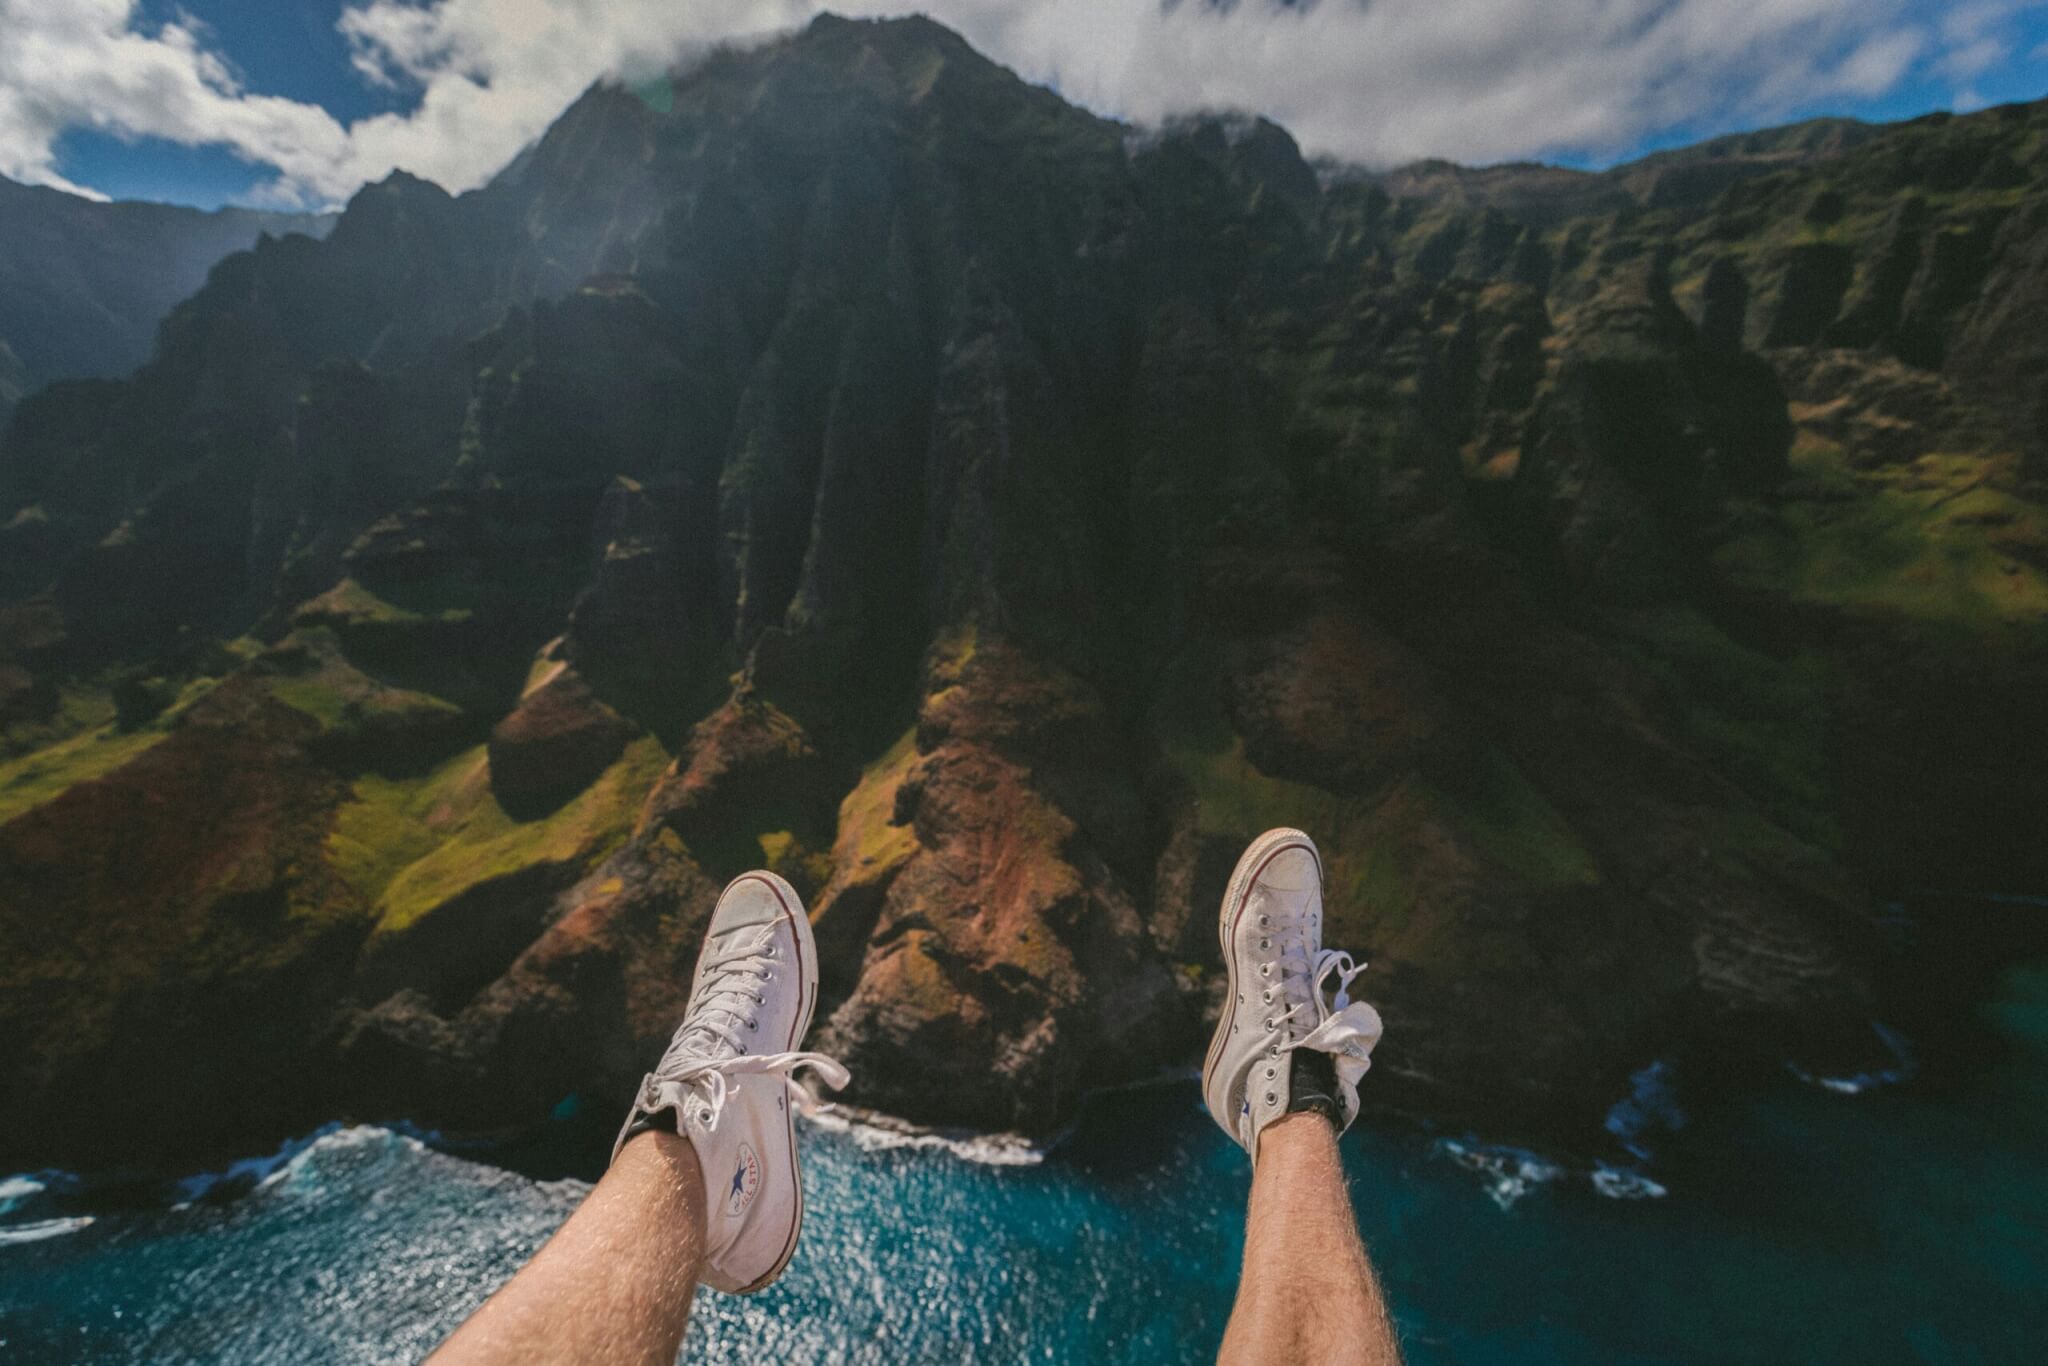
[1544, 195]
[83, 284]
[855, 460]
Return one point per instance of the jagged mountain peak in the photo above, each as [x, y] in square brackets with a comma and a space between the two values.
[399, 183]
[376, 209]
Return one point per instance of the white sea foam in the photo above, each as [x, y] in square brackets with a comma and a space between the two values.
[1507, 1173]
[1624, 1183]
[875, 1132]
[41, 1229]
[250, 1171]
[1902, 1069]
[332, 1140]
[266, 1172]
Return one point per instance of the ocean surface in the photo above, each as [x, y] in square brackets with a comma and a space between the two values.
[1865, 1220]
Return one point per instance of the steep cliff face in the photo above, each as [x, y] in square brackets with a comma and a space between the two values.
[849, 459]
[83, 285]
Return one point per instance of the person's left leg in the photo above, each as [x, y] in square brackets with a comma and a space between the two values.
[1282, 1080]
[614, 1284]
[1308, 1292]
[704, 1183]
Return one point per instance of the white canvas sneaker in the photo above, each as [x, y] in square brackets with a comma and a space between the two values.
[1271, 928]
[728, 1079]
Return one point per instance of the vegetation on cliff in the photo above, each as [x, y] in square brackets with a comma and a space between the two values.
[848, 456]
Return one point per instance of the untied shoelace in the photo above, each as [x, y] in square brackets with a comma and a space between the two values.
[1344, 1029]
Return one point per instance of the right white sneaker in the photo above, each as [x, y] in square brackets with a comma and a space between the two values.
[1271, 928]
[728, 1079]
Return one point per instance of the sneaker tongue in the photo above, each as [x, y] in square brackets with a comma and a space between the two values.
[702, 1028]
[1347, 1037]
[1297, 984]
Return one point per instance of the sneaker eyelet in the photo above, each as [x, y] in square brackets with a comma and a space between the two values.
[1269, 1074]
[753, 1026]
[1269, 1022]
[1270, 1098]
[1265, 969]
[1264, 921]
[1265, 943]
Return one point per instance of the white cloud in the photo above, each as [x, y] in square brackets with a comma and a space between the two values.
[1371, 80]
[1977, 35]
[1965, 20]
[83, 64]
[1972, 58]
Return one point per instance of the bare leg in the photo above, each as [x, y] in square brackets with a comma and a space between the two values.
[614, 1283]
[1308, 1292]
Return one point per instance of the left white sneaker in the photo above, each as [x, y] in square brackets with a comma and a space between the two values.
[1280, 998]
[728, 1078]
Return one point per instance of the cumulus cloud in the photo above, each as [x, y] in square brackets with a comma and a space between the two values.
[1376, 81]
[82, 64]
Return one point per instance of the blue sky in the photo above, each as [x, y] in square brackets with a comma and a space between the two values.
[284, 47]
[2020, 74]
[298, 102]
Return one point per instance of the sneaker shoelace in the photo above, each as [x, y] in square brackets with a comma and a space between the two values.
[1343, 1028]
[694, 1074]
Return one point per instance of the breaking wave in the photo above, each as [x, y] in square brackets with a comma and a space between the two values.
[874, 1132]
[1903, 1068]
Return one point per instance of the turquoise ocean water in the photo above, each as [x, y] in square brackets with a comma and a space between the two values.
[1903, 1223]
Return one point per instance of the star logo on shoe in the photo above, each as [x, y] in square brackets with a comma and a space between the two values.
[746, 1183]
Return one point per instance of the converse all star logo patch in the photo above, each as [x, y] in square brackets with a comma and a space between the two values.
[746, 1182]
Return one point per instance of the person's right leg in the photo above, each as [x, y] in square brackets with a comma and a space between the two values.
[704, 1183]
[1308, 1293]
[1282, 1080]
[614, 1284]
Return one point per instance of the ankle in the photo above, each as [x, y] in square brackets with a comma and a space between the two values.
[1298, 1128]
[1312, 1087]
[657, 1145]
[662, 1121]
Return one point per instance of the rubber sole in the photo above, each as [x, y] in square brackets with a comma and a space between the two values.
[1250, 864]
